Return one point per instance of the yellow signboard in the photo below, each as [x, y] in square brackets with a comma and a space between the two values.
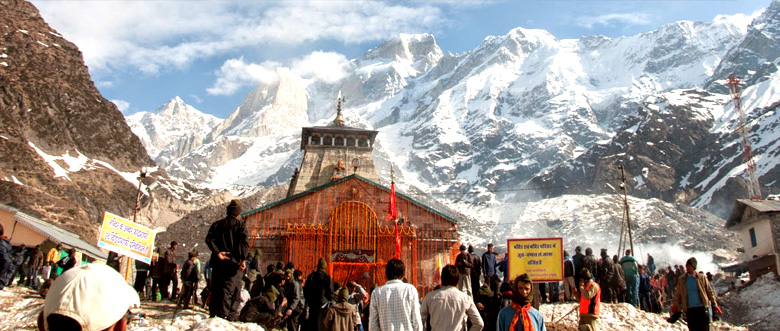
[126, 238]
[540, 258]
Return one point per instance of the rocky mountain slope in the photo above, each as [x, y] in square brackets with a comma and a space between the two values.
[67, 154]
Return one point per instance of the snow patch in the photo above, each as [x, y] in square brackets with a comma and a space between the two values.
[59, 171]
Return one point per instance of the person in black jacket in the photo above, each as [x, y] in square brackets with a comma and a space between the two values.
[589, 262]
[578, 263]
[114, 260]
[68, 262]
[228, 241]
[464, 265]
[293, 292]
[569, 287]
[189, 279]
[605, 275]
[476, 270]
[317, 291]
[267, 308]
[141, 274]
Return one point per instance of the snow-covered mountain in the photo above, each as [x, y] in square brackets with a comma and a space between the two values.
[172, 130]
[525, 116]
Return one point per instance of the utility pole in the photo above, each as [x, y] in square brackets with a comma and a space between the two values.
[137, 208]
[625, 206]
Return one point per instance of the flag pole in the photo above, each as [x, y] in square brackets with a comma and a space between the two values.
[392, 214]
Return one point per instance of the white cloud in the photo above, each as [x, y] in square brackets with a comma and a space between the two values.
[324, 66]
[155, 35]
[122, 105]
[196, 98]
[235, 74]
[611, 20]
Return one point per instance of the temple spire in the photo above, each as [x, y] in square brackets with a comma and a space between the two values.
[339, 120]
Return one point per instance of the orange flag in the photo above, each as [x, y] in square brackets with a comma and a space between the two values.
[392, 214]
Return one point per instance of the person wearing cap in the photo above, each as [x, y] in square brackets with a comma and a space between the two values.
[199, 271]
[318, 290]
[692, 296]
[464, 265]
[341, 316]
[189, 277]
[228, 241]
[266, 309]
[520, 315]
[448, 307]
[590, 301]
[91, 297]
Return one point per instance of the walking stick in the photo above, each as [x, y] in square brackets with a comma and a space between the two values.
[567, 314]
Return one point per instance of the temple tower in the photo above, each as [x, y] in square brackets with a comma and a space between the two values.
[332, 152]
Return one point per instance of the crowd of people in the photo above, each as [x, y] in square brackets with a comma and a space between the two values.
[472, 294]
[29, 267]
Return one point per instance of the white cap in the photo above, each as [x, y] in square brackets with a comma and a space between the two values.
[94, 295]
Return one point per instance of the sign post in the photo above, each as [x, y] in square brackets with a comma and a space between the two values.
[126, 238]
[540, 258]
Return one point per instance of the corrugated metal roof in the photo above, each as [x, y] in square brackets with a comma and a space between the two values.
[55, 234]
[762, 205]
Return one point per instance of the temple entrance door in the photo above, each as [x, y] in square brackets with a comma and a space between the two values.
[353, 229]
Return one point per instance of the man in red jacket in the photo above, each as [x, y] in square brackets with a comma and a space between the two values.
[590, 301]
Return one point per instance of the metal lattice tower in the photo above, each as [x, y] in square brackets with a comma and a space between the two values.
[754, 189]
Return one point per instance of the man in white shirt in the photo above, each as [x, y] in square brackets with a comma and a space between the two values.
[394, 306]
[447, 307]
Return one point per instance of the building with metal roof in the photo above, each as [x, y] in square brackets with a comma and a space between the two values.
[758, 224]
[21, 228]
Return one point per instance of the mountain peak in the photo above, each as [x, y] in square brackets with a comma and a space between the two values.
[409, 47]
[176, 107]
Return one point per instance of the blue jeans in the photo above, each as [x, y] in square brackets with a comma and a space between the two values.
[33, 281]
[632, 285]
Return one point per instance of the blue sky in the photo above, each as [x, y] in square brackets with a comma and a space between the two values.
[211, 53]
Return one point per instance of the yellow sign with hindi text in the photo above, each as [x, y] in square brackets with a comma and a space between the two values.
[540, 258]
[126, 238]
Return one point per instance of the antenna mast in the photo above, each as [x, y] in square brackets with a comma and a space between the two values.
[754, 189]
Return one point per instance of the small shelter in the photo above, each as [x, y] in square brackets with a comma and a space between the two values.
[758, 224]
[21, 228]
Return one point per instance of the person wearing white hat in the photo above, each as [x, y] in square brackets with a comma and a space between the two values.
[91, 297]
